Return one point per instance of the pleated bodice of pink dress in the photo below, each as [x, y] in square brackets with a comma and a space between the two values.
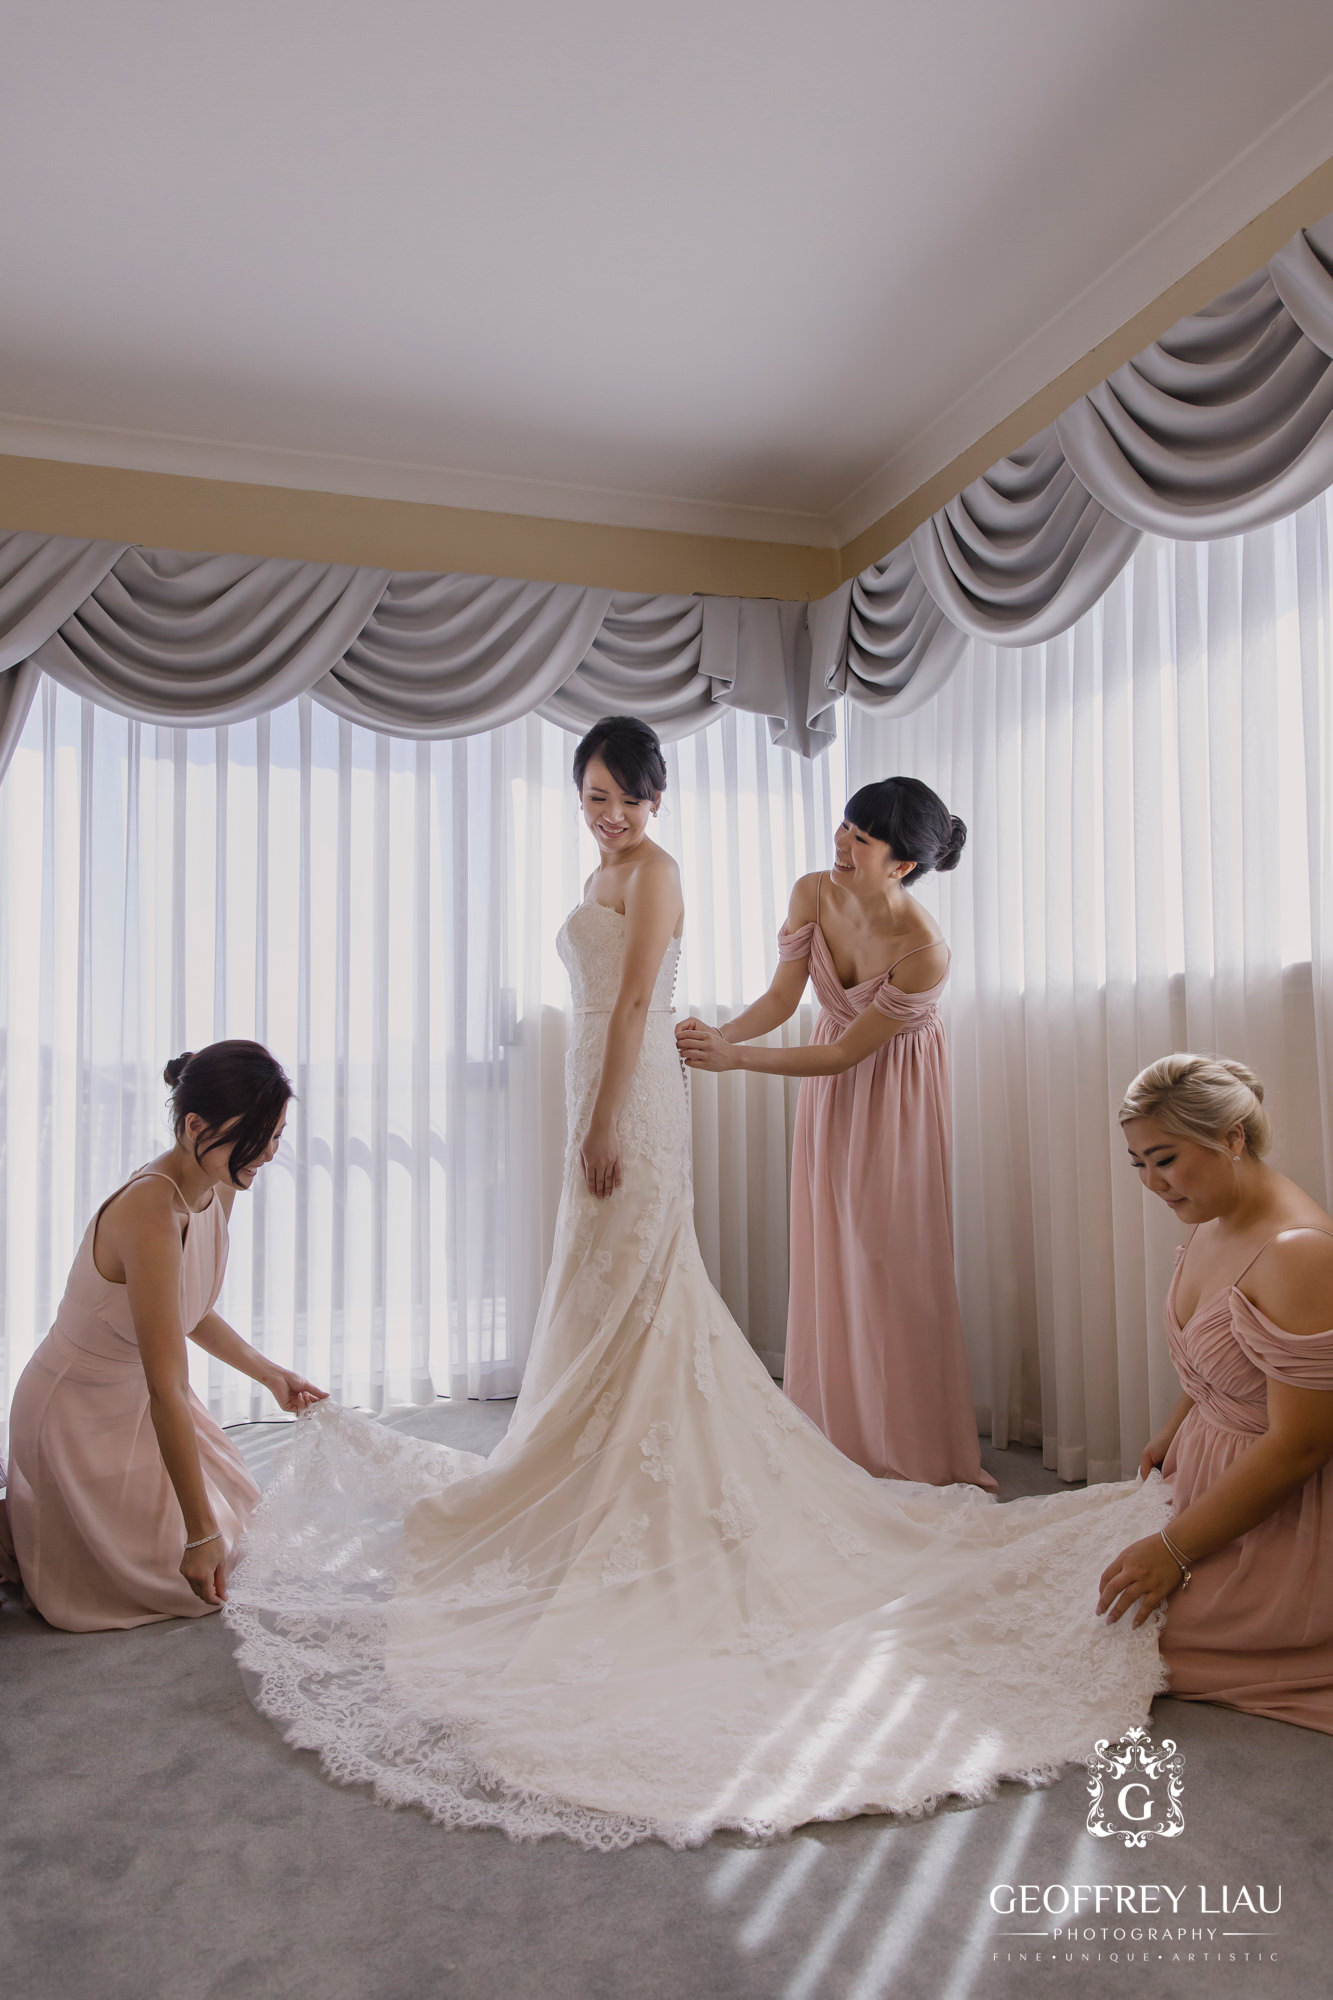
[95, 1523]
[875, 1350]
[1254, 1629]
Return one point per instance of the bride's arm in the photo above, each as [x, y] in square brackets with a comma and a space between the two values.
[788, 983]
[652, 912]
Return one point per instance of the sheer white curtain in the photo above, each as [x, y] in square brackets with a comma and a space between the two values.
[1149, 867]
[381, 913]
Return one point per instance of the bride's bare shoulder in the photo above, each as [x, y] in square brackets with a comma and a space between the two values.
[653, 892]
[655, 872]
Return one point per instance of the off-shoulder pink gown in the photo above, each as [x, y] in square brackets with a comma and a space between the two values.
[1254, 1629]
[95, 1522]
[875, 1350]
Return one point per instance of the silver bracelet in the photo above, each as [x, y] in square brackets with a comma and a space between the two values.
[1176, 1558]
[204, 1541]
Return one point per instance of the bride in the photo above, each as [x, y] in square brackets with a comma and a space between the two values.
[665, 1604]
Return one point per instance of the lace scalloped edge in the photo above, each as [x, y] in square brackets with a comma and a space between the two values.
[482, 1798]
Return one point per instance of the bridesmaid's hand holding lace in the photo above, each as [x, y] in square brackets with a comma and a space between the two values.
[1145, 1572]
[292, 1392]
[702, 1047]
[205, 1570]
[1161, 1441]
[600, 1155]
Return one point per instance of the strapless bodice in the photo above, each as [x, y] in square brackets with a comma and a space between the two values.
[654, 1119]
[592, 946]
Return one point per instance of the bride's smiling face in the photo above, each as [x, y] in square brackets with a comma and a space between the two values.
[617, 819]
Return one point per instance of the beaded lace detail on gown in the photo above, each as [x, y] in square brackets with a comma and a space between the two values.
[666, 1604]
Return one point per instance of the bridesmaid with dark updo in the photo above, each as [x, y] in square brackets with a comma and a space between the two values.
[875, 1349]
[125, 1499]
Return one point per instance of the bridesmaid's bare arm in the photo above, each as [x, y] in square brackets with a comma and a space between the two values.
[704, 1048]
[147, 1238]
[1159, 1444]
[1296, 1445]
[291, 1391]
[788, 983]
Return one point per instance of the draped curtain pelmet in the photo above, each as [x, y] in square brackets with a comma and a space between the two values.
[1223, 425]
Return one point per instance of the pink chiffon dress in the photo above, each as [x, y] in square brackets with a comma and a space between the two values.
[1254, 1628]
[875, 1350]
[95, 1524]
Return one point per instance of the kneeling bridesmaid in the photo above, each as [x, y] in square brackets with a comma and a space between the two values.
[125, 1499]
[1248, 1450]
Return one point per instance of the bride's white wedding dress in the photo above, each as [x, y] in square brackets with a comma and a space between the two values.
[665, 1603]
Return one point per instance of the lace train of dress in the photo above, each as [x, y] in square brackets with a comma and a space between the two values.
[665, 1604]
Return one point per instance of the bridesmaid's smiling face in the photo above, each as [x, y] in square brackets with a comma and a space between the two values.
[864, 863]
[1196, 1182]
[215, 1159]
[617, 820]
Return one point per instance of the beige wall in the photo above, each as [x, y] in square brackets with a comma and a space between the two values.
[164, 510]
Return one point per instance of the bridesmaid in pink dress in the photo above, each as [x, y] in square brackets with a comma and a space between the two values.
[125, 1500]
[1246, 1565]
[875, 1350]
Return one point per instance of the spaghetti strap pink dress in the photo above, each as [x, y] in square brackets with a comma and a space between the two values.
[1254, 1630]
[95, 1523]
[875, 1350]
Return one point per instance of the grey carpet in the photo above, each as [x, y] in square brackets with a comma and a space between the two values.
[159, 1839]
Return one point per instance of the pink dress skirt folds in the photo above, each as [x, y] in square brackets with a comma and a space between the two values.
[95, 1522]
[875, 1350]
[1254, 1629]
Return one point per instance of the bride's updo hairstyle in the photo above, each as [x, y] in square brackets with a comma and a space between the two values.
[237, 1088]
[1201, 1098]
[630, 751]
[914, 821]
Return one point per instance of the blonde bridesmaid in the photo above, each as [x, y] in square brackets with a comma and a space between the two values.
[125, 1500]
[1245, 1566]
[875, 1349]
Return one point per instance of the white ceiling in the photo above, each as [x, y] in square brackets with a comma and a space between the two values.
[748, 267]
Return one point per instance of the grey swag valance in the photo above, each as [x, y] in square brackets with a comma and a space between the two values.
[201, 640]
[1222, 425]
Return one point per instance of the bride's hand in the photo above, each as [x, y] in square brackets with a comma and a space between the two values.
[600, 1155]
[292, 1392]
[702, 1047]
[1145, 1572]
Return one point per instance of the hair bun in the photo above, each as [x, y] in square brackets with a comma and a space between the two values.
[1244, 1074]
[175, 1069]
[957, 840]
